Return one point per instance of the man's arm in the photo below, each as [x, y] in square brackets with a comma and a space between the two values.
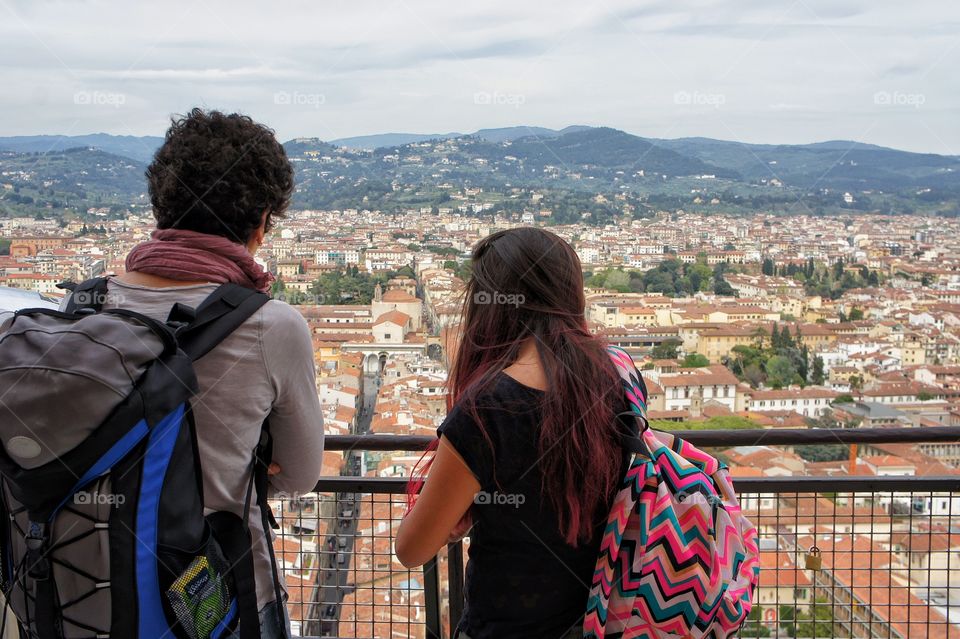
[296, 421]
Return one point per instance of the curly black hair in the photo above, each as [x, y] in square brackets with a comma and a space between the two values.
[218, 174]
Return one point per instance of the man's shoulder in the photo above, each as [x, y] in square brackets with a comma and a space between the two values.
[283, 314]
[283, 328]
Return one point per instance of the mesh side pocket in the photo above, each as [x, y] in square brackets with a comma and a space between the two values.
[200, 597]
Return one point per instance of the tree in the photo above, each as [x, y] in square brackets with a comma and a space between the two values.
[786, 341]
[278, 288]
[924, 396]
[817, 622]
[856, 314]
[746, 362]
[698, 275]
[856, 382]
[753, 626]
[618, 281]
[780, 371]
[838, 269]
[350, 286]
[818, 376]
[666, 350]
[722, 287]
[754, 375]
[845, 398]
[695, 360]
[463, 271]
[803, 365]
[759, 334]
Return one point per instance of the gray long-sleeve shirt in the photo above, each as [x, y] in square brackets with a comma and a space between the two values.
[263, 369]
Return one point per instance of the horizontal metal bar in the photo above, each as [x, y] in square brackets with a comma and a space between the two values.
[767, 485]
[803, 484]
[750, 437]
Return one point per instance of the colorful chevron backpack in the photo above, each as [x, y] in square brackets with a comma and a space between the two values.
[678, 560]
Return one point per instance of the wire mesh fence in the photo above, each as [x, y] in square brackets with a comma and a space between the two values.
[856, 563]
[342, 577]
[841, 557]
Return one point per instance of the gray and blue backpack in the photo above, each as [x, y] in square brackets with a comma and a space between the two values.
[102, 525]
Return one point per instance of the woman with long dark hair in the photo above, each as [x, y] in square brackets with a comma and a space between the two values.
[530, 453]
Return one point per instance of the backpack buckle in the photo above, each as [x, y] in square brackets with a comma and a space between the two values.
[37, 540]
[180, 316]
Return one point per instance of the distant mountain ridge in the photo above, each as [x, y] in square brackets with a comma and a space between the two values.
[506, 134]
[140, 148]
[383, 140]
[578, 159]
[729, 155]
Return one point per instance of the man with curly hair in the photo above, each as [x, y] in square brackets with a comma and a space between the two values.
[217, 184]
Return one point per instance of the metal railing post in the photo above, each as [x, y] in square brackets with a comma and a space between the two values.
[455, 583]
[431, 592]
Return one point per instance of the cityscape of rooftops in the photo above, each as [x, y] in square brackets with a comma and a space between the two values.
[765, 203]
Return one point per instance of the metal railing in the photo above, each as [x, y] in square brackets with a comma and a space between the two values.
[886, 548]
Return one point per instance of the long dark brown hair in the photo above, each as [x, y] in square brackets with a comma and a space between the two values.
[527, 283]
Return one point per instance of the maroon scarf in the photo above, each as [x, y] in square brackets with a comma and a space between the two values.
[178, 254]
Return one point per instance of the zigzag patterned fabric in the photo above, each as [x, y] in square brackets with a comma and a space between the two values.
[678, 559]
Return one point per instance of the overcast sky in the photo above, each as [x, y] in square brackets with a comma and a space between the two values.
[770, 71]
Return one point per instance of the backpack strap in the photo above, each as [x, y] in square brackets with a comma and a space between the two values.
[635, 391]
[199, 331]
[261, 463]
[233, 535]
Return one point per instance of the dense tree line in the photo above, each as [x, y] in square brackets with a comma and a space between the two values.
[670, 277]
[777, 360]
[826, 281]
[343, 286]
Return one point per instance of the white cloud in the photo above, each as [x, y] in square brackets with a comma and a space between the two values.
[788, 72]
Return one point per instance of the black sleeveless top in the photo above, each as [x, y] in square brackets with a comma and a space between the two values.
[522, 578]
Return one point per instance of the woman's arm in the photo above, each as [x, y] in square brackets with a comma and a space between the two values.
[447, 494]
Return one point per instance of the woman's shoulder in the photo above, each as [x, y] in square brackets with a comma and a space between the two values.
[503, 393]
